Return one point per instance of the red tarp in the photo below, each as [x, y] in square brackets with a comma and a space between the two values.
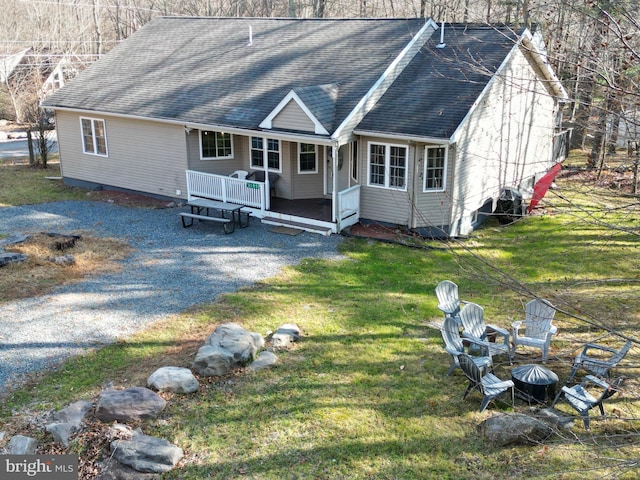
[542, 185]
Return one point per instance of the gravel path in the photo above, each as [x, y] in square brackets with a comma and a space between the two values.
[173, 269]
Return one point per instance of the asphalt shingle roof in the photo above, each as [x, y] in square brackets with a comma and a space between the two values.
[434, 93]
[202, 70]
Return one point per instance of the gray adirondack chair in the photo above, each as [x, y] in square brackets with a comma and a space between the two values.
[591, 393]
[474, 328]
[598, 359]
[448, 299]
[490, 386]
[536, 329]
[454, 345]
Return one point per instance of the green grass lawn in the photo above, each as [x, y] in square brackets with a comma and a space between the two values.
[363, 394]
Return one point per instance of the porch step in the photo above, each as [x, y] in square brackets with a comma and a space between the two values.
[307, 227]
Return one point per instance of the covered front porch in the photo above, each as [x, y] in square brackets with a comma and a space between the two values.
[319, 215]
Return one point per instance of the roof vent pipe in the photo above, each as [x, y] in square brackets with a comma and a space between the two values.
[250, 36]
[441, 44]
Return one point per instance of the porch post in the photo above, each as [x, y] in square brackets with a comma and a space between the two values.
[334, 194]
[267, 187]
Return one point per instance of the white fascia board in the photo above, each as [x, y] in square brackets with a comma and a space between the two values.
[293, 96]
[287, 136]
[532, 44]
[394, 69]
[407, 138]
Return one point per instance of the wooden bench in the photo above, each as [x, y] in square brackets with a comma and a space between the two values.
[209, 218]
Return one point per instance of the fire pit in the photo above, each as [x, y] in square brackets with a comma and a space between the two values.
[534, 382]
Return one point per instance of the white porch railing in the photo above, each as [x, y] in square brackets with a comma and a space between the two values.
[348, 207]
[225, 189]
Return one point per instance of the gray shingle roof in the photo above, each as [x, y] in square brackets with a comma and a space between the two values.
[202, 70]
[321, 101]
[434, 93]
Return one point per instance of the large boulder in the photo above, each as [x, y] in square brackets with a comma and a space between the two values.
[129, 404]
[173, 379]
[514, 428]
[146, 454]
[227, 347]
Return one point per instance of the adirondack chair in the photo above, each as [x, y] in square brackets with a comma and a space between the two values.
[598, 359]
[448, 300]
[488, 385]
[536, 328]
[591, 393]
[474, 328]
[454, 345]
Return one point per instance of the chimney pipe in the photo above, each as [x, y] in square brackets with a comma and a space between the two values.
[441, 44]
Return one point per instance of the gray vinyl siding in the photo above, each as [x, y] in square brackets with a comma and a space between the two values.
[505, 141]
[143, 156]
[292, 117]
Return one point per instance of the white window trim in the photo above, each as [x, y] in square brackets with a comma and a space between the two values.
[307, 172]
[387, 166]
[265, 153]
[93, 134]
[444, 171]
[230, 157]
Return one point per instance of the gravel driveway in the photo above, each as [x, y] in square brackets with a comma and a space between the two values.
[173, 269]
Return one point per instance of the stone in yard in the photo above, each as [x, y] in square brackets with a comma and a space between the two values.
[514, 428]
[13, 239]
[240, 342]
[263, 360]
[211, 361]
[63, 260]
[284, 335]
[11, 257]
[67, 421]
[114, 470]
[173, 379]
[21, 445]
[146, 454]
[130, 404]
[227, 347]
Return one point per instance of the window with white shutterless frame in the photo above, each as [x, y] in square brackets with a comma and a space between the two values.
[435, 168]
[215, 145]
[94, 136]
[387, 165]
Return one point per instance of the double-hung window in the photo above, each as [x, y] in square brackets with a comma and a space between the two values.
[387, 166]
[215, 145]
[435, 168]
[269, 149]
[94, 136]
[307, 158]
